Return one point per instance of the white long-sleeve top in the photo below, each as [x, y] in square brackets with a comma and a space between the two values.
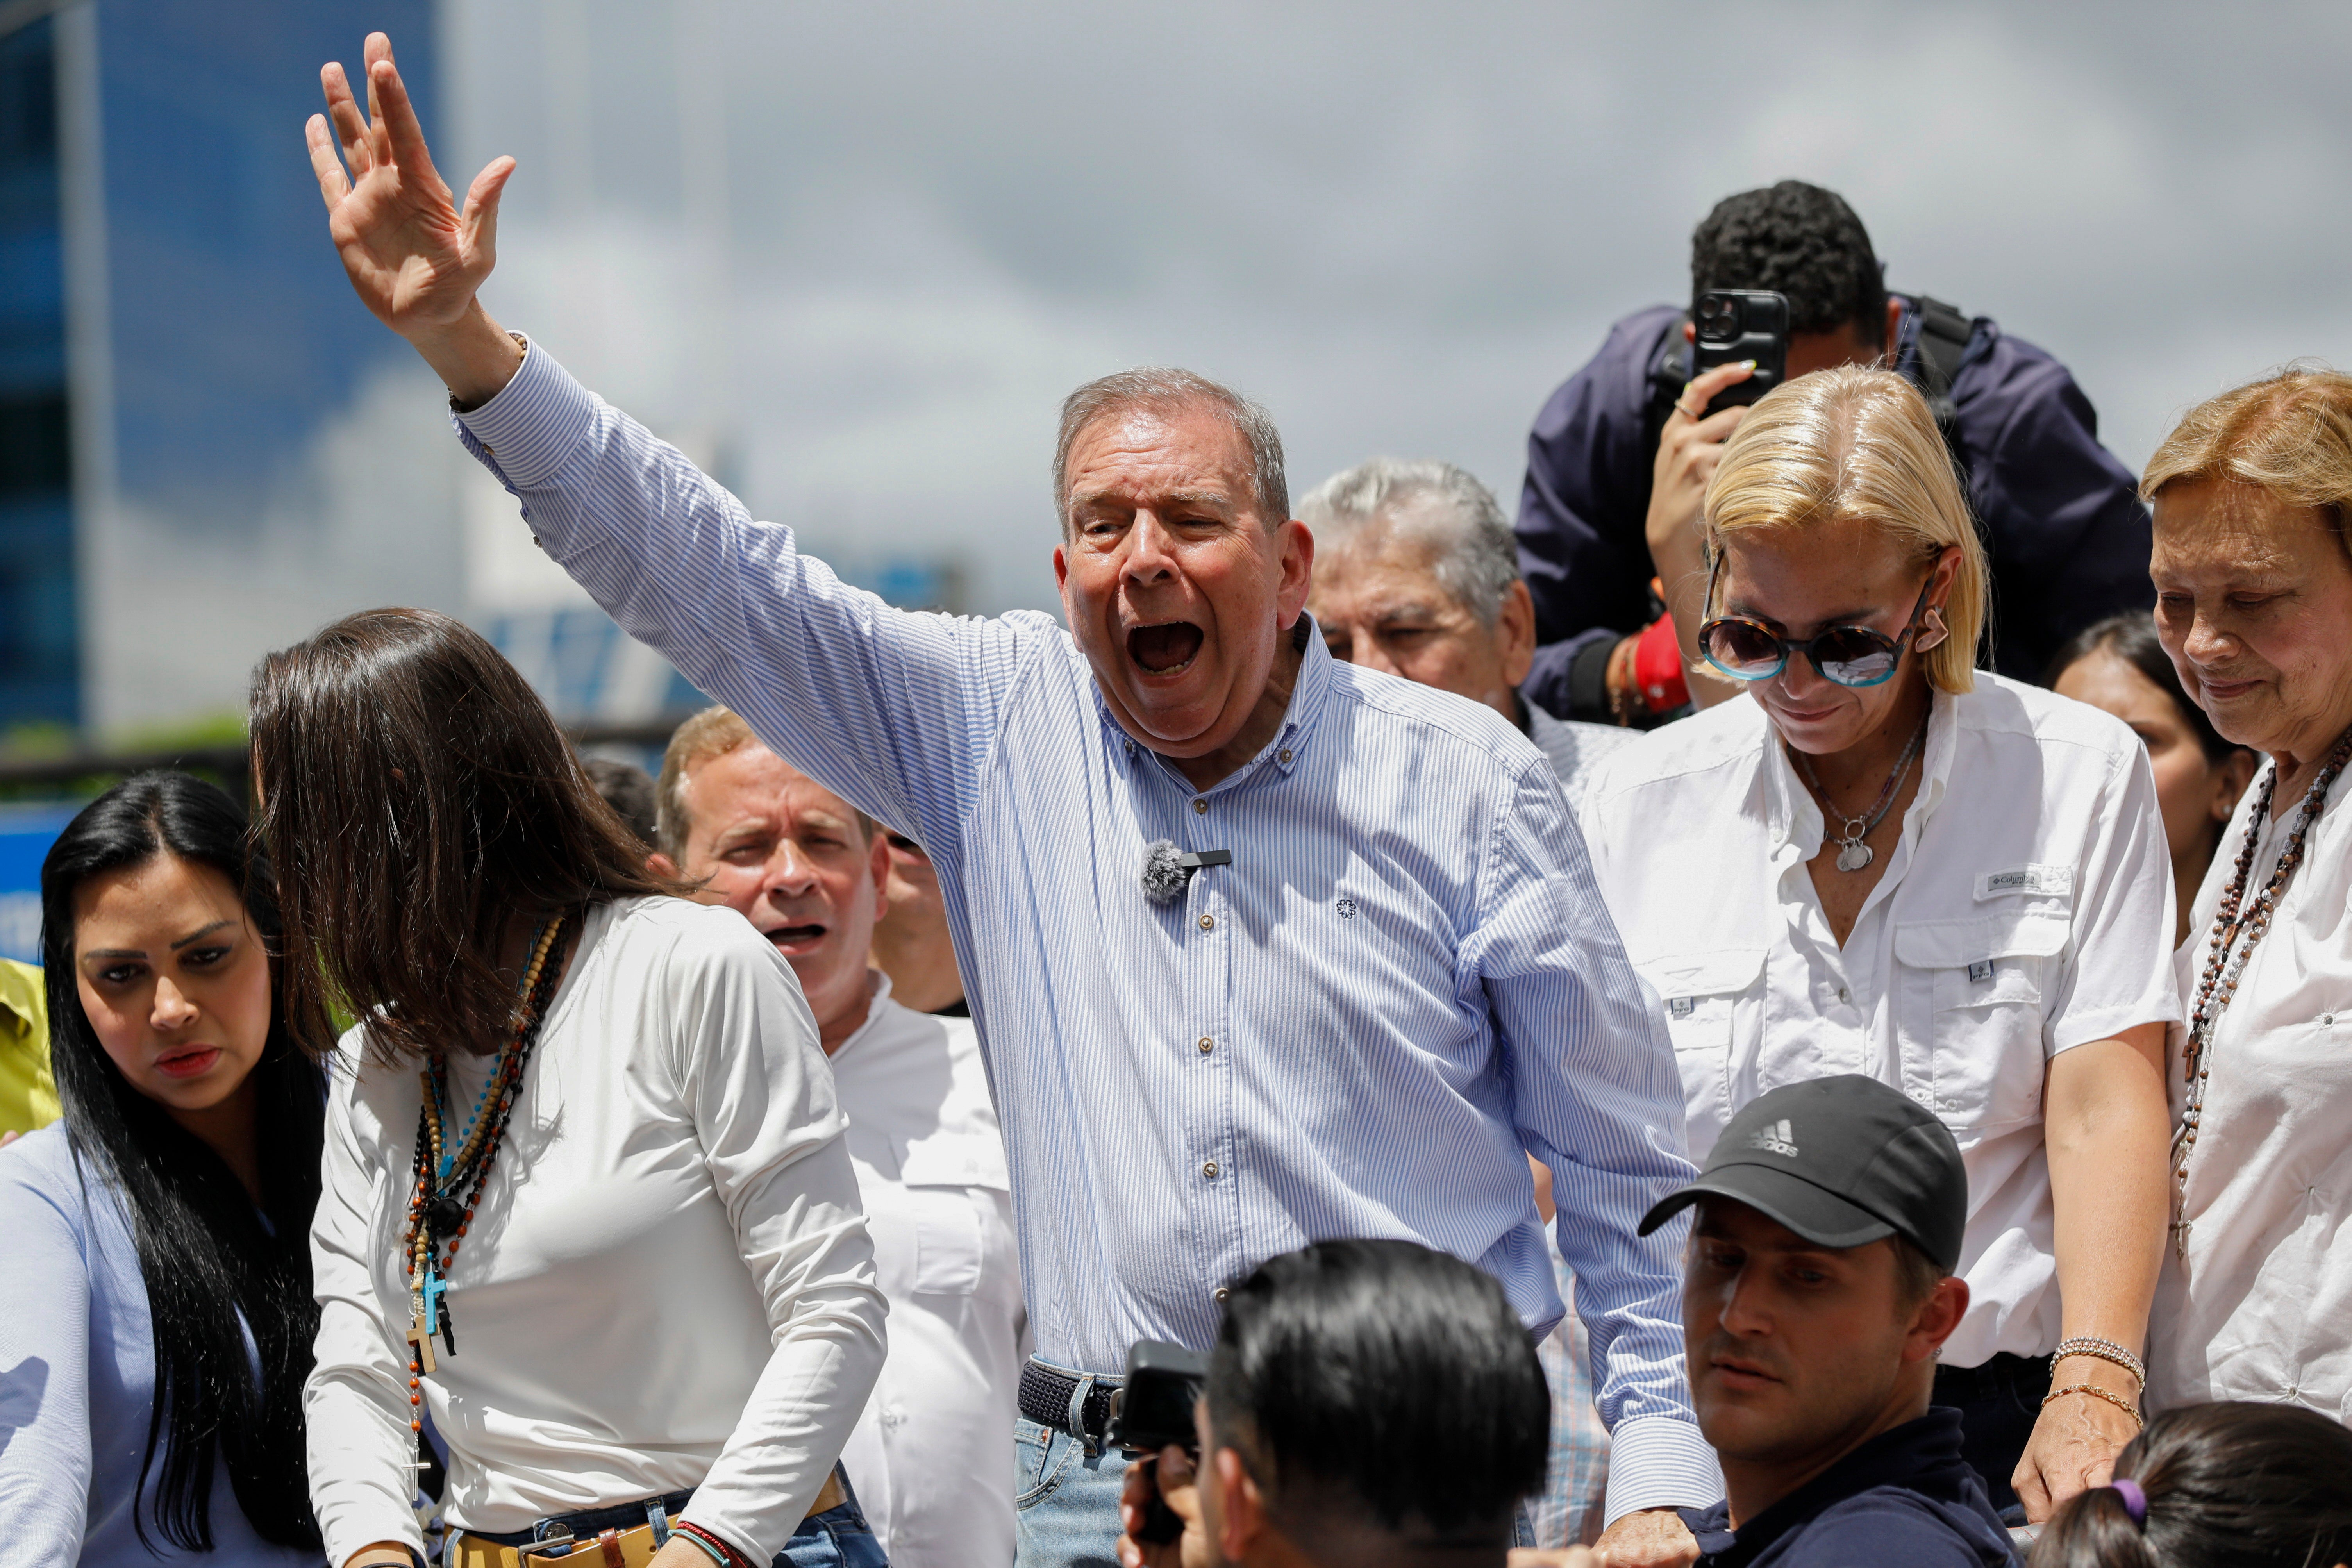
[932, 1456]
[667, 1282]
[2261, 1307]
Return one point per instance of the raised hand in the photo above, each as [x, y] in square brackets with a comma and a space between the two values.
[414, 256]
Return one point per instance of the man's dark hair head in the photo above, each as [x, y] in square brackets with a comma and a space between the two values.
[1799, 241]
[629, 791]
[1382, 1379]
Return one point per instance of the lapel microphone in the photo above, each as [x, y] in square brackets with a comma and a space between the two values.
[1167, 873]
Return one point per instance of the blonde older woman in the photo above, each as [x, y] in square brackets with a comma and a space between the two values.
[2253, 579]
[1885, 862]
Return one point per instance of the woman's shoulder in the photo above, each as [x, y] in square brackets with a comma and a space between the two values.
[682, 937]
[39, 1172]
[1714, 742]
[1999, 707]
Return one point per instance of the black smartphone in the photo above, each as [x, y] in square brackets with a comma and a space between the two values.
[1154, 1406]
[1152, 1409]
[1735, 325]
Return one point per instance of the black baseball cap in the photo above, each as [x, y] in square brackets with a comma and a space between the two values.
[1841, 1161]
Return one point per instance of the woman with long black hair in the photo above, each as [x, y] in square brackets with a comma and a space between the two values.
[156, 1310]
[587, 1196]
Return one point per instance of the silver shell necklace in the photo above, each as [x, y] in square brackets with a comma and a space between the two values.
[1853, 853]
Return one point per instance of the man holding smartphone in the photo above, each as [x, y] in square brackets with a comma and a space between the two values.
[1622, 451]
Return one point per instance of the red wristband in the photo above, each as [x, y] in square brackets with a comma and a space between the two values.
[711, 1544]
[1658, 667]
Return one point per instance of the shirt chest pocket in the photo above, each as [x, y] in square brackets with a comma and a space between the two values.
[1973, 999]
[1700, 994]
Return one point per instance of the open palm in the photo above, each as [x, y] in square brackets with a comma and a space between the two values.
[414, 256]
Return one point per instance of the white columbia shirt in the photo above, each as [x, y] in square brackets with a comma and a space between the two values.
[668, 1283]
[2027, 909]
[932, 1456]
[2262, 1307]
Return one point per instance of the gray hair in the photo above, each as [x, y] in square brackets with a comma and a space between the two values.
[1443, 507]
[1162, 389]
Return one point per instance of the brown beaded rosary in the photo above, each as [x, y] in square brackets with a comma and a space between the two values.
[437, 1215]
[2225, 957]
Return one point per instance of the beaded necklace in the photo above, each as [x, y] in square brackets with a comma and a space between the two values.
[449, 1183]
[2225, 957]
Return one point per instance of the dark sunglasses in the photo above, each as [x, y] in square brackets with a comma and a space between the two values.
[1849, 656]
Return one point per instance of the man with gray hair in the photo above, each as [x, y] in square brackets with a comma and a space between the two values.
[1376, 976]
[1417, 573]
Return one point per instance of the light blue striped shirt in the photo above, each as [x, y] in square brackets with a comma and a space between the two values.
[1404, 978]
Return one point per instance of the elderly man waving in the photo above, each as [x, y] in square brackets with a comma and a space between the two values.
[1379, 971]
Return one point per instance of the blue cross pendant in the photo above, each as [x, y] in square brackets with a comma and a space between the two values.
[437, 1311]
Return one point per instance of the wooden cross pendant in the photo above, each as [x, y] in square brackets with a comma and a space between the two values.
[420, 1334]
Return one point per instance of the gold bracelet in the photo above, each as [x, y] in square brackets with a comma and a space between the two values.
[2095, 1391]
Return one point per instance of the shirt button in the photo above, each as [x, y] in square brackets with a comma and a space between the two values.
[2327, 1018]
[1843, 996]
[1285, 753]
[1208, 922]
[1218, 1294]
[1207, 1044]
[1210, 1170]
[1200, 805]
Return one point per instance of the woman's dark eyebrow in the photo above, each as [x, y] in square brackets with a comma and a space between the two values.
[141, 953]
[203, 931]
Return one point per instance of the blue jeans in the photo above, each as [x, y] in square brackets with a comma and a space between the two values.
[837, 1537]
[1065, 1505]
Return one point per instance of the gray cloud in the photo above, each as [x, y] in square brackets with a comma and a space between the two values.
[858, 253]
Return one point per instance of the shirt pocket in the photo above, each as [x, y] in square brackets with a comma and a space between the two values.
[1972, 995]
[1700, 993]
[949, 1245]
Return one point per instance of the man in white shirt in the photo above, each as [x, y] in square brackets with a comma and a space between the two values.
[931, 1457]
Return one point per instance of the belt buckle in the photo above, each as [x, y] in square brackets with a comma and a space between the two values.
[552, 1545]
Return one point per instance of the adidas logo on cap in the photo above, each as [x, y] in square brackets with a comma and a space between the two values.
[1777, 1139]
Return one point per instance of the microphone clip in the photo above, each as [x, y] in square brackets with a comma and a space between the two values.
[1167, 872]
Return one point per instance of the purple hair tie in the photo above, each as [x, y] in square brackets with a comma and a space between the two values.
[2134, 1500]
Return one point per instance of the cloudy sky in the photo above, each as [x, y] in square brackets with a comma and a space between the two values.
[853, 256]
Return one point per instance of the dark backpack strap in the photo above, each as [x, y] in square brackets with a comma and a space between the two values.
[1942, 342]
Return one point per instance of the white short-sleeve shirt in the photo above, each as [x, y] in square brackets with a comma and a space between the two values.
[2027, 909]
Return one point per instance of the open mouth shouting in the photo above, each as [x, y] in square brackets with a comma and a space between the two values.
[1167, 648]
[793, 941]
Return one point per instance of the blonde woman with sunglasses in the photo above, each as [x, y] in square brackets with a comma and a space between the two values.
[1868, 856]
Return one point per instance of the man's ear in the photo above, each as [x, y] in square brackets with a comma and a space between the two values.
[661, 865]
[1937, 1318]
[1514, 632]
[1298, 565]
[1888, 343]
[1241, 1508]
[878, 852]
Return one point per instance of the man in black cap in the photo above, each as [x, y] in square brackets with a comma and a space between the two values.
[1818, 1290]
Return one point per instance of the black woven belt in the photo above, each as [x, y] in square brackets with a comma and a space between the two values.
[1046, 1399]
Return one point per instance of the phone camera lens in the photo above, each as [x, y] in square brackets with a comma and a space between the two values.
[1718, 318]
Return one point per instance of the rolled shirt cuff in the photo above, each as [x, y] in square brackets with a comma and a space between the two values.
[1660, 1462]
